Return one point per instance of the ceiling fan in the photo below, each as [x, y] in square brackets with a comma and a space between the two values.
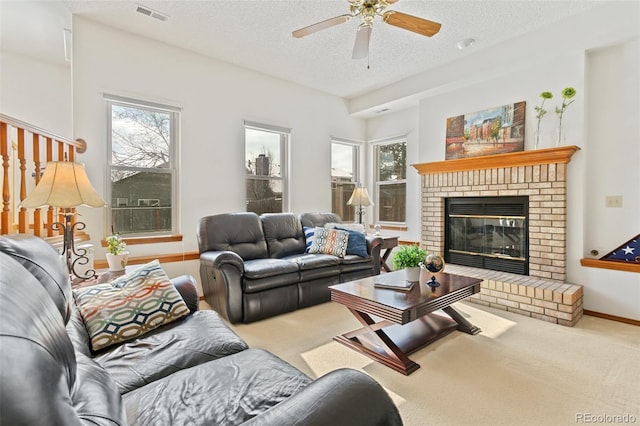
[367, 10]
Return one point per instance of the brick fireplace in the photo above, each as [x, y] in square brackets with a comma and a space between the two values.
[541, 176]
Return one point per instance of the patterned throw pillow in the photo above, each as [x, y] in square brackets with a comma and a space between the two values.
[130, 306]
[330, 241]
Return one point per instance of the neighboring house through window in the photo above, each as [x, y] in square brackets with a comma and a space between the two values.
[142, 143]
[344, 177]
[390, 170]
[266, 153]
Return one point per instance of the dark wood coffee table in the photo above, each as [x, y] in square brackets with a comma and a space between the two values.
[406, 317]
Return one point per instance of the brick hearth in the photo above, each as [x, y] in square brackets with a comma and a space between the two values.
[540, 175]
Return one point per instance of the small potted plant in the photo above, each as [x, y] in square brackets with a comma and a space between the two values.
[117, 254]
[409, 258]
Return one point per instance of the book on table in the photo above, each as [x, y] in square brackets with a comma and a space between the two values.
[393, 283]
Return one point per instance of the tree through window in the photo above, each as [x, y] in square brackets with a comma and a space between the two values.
[391, 181]
[142, 165]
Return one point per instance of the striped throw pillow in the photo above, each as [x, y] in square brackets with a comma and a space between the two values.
[309, 237]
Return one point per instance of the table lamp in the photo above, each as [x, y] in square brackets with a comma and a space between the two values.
[360, 198]
[65, 185]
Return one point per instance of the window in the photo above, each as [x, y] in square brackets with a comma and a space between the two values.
[344, 176]
[142, 143]
[391, 180]
[265, 161]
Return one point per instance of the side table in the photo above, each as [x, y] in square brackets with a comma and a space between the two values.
[387, 245]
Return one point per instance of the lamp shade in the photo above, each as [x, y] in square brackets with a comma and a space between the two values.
[64, 184]
[360, 197]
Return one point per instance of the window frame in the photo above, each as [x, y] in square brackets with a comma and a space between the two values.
[285, 143]
[355, 177]
[174, 161]
[378, 183]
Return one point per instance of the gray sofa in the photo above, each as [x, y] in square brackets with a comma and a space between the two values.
[193, 371]
[254, 267]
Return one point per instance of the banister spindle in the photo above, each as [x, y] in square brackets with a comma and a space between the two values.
[6, 194]
[22, 214]
[61, 156]
[50, 209]
[37, 219]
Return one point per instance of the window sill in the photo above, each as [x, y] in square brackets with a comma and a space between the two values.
[392, 227]
[148, 240]
[166, 258]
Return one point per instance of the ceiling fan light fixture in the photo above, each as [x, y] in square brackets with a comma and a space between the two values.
[465, 43]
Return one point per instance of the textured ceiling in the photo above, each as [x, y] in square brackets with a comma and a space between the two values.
[257, 34]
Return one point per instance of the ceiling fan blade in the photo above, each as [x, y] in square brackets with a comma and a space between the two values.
[321, 26]
[361, 46]
[412, 23]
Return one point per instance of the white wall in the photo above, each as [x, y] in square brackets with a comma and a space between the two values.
[37, 92]
[35, 79]
[614, 147]
[215, 98]
[402, 123]
[608, 99]
[612, 159]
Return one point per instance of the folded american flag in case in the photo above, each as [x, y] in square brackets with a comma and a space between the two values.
[627, 252]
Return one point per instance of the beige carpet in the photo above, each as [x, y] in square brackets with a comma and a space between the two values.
[518, 371]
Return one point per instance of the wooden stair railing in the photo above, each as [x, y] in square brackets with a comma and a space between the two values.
[18, 157]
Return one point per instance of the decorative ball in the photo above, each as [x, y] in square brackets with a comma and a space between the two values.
[434, 263]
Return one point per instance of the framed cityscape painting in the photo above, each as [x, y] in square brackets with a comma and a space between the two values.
[492, 131]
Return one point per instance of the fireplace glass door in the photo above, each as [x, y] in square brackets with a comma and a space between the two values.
[488, 233]
[493, 236]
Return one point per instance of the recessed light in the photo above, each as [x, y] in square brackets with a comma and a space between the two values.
[465, 42]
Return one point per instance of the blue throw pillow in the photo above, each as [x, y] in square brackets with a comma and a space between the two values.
[357, 243]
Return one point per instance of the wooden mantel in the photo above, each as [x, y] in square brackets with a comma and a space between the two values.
[560, 154]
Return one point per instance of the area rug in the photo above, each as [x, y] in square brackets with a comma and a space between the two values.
[517, 371]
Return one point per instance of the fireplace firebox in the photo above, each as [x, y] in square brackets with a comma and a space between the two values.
[488, 232]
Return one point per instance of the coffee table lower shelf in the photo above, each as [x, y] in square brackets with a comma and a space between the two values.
[392, 346]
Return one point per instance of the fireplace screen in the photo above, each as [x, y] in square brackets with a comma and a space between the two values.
[488, 232]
